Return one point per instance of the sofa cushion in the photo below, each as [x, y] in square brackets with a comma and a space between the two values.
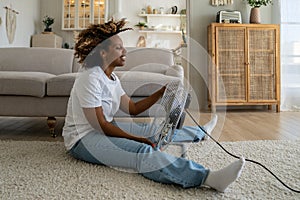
[136, 83]
[61, 85]
[24, 83]
[49, 60]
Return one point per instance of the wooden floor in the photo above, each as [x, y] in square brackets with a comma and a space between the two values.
[232, 126]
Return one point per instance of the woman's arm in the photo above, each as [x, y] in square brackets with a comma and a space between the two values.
[97, 120]
[135, 108]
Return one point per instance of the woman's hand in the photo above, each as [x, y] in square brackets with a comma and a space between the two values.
[162, 90]
[146, 141]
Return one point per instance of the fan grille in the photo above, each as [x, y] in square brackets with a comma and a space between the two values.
[168, 115]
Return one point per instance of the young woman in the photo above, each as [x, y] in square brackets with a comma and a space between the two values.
[91, 134]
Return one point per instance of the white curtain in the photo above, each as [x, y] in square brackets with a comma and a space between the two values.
[290, 55]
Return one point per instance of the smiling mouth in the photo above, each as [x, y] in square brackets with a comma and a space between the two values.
[123, 57]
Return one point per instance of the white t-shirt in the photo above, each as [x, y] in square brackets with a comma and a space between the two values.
[92, 88]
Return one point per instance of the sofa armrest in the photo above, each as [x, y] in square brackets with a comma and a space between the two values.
[176, 71]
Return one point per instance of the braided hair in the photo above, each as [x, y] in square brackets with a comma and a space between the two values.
[90, 38]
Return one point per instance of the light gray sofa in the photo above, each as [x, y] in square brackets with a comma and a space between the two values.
[36, 82]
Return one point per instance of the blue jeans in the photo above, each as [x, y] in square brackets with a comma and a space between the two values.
[153, 164]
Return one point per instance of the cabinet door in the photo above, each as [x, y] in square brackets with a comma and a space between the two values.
[98, 9]
[69, 14]
[84, 14]
[262, 64]
[230, 64]
[79, 14]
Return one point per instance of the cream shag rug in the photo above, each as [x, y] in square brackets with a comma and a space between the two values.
[43, 170]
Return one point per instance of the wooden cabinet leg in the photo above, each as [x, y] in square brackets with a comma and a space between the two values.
[51, 121]
[270, 107]
[278, 108]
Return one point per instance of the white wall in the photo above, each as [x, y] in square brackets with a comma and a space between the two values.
[27, 21]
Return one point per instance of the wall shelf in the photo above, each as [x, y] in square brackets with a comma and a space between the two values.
[164, 23]
[164, 30]
[159, 31]
[161, 15]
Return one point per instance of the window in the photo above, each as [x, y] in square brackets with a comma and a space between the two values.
[290, 54]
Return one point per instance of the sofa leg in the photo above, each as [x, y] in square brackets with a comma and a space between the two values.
[51, 121]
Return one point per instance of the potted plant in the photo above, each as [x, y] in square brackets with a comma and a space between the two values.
[255, 13]
[48, 21]
[141, 25]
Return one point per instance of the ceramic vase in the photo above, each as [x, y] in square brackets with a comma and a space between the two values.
[255, 15]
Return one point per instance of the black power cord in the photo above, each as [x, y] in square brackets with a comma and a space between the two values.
[294, 190]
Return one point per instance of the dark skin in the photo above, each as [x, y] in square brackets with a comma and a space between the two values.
[115, 56]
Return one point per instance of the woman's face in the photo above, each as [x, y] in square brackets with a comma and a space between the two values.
[115, 54]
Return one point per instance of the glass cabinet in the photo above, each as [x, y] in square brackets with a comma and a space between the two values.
[78, 14]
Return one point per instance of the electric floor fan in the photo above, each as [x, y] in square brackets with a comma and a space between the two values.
[169, 115]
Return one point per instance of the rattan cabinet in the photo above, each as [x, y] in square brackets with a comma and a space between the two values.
[244, 67]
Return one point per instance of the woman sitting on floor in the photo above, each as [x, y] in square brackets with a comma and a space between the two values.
[91, 134]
